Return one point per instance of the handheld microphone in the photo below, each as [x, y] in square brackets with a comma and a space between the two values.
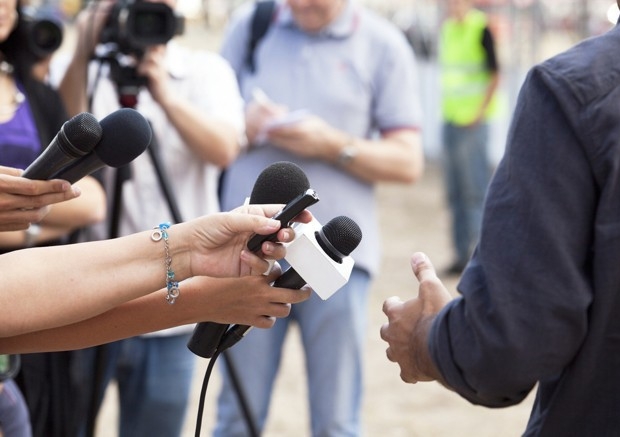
[125, 135]
[278, 183]
[325, 263]
[77, 137]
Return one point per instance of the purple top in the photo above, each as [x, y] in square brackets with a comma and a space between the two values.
[19, 139]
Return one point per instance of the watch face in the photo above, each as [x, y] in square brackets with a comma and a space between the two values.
[9, 366]
[347, 154]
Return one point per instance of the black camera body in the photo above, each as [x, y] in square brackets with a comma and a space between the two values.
[41, 30]
[135, 25]
[131, 27]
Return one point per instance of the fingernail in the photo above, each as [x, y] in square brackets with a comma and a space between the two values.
[77, 191]
[268, 248]
[418, 258]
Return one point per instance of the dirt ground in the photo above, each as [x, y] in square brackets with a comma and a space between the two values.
[413, 218]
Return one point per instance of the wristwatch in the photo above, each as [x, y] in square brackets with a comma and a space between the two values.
[31, 234]
[347, 153]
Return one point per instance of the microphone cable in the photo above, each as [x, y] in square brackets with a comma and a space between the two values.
[203, 392]
[253, 432]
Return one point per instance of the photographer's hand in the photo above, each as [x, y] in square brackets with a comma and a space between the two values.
[74, 85]
[153, 67]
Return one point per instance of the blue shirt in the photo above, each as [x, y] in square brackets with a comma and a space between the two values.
[358, 75]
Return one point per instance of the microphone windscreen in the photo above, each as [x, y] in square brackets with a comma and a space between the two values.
[82, 132]
[343, 234]
[126, 134]
[280, 182]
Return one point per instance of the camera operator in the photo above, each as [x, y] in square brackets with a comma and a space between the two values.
[31, 113]
[125, 56]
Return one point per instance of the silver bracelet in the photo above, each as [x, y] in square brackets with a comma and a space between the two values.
[161, 233]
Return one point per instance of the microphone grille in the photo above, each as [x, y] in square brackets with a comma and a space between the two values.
[280, 182]
[343, 233]
[126, 134]
[83, 132]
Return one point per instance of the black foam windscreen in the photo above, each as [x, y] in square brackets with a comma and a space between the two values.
[280, 182]
[126, 134]
[342, 233]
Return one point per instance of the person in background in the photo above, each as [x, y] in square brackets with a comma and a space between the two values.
[538, 304]
[31, 114]
[333, 89]
[469, 80]
[192, 102]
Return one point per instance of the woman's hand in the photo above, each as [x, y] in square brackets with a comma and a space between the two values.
[249, 300]
[24, 201]
[217, 242]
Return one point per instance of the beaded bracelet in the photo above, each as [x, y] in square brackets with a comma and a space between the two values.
[161, 232]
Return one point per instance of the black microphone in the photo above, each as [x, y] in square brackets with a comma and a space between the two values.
[278, 183]
[125, 135]
[77, 137]
[337, 239]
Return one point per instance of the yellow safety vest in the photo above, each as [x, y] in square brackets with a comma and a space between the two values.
[464, 76]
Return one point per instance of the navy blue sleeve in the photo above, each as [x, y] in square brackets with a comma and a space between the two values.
[523, 310]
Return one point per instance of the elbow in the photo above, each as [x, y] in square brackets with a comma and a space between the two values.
[224, 155]
[229, 155]
[97, 215]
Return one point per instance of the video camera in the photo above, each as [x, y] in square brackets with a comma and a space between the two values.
[41, 29]
[132, 26]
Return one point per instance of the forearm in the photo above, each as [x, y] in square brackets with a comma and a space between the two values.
[146, 314]
[248, 301]
[396, 157]
[488, 96]
[73, 86]
[213, 140]
[65, 284]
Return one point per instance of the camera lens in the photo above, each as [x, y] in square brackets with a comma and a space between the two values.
[151, 25]
[46, 36]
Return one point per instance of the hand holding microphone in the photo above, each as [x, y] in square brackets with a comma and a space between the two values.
[320, 258]
[280, 182]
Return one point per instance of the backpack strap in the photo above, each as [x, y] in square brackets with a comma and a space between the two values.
[260, 24]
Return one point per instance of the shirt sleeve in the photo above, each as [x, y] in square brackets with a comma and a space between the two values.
[396, 85]
[488, 43]
[527, 286]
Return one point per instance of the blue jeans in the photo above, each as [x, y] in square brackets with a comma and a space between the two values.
[154, 376]
[333, 335]
[467, 173]
[14, 417]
